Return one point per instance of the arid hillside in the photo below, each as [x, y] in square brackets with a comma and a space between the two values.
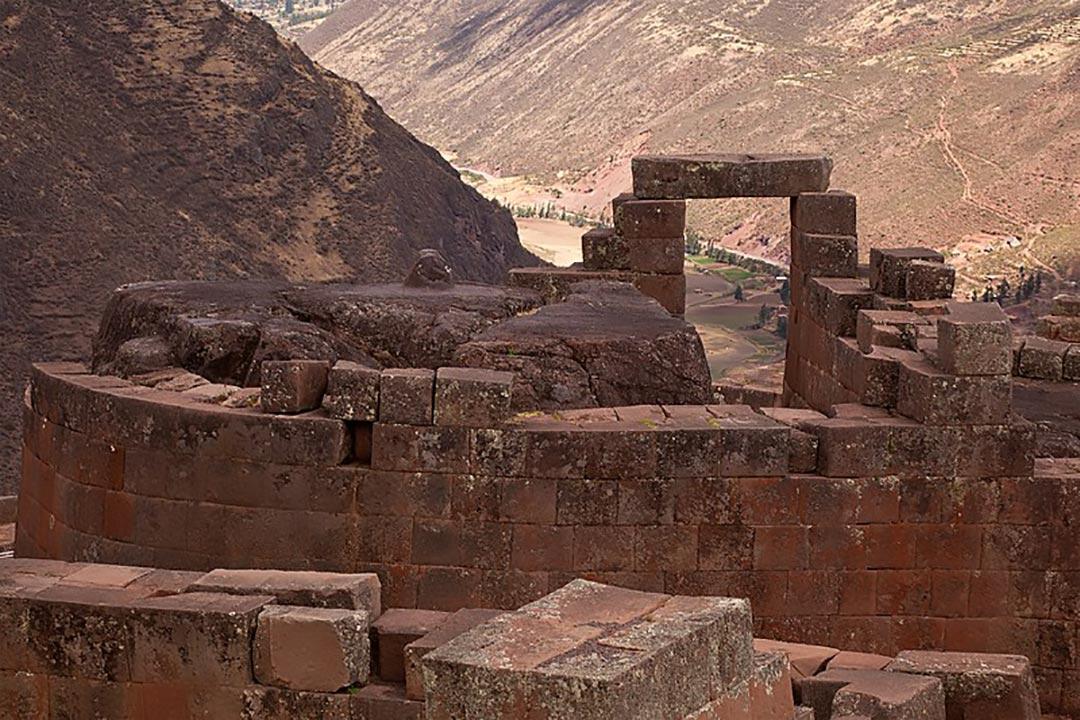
[161, 139]
[956, 121]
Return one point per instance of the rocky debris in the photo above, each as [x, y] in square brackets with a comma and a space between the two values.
[725, 176]
[251, 162]
[607, 345]
[430, 271]
[224, 331]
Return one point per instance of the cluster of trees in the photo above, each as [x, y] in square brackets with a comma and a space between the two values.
[548, 211]
[1004, 293]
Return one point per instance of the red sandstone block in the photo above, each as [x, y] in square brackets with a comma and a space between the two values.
[988, 687]
[308, 589]
[1043, 359]
[667, 289]
[933, 397]
[781, 547]
[805, 660]
[770, 687]
[1058, 327]
[267, 703]
[890, 547]
[814, 593]
[471, 397]
[497, 452]
[352, 392]
[293, 386]
[829, 213]
[311, 649]
[975, 339]
[889, 268]
[385, 702]
[664, 256]
[834, 303]
[394, 630]
[929, 281]
[666, 548]
[449, 588]
[721, 176]
[459, 622]
[604, 249]
[703, 500]
[407, 396]
[875, 694]
[871, 322]
[645, 219]
[824, 255]
[414, 448]
[847, 660]
[950, 547]
[604, 548]
[725, 547]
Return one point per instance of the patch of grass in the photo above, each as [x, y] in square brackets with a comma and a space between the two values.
[734, 274]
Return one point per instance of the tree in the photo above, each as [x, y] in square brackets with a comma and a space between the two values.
[740, 294]
[785, 292]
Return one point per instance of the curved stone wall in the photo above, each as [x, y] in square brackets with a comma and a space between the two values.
[870, 532]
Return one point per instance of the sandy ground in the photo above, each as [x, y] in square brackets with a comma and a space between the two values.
[557, 242]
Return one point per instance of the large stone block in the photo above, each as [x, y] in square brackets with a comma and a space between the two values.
[771, 695]
[594, 652]
[975, 339]
[407, 396]
[458, 623]
[308, 589]
[664, 256]
[473, 397]
[834, 303]
[927, 280]
[724, 176]
[825, 213]
[604, 249]
[872, 328]
[394, 631]
[1067, 305]
[821, 255]
[352, 392]
[1043, 359]
[293, 386]
[889, 268]
[1059, 327]
[647, 219]
[880, 695]
[977, 686]
[311, 649]
[931, 396]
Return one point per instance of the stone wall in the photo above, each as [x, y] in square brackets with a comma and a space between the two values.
[863, 531]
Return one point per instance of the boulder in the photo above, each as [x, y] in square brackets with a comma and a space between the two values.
[606, 345]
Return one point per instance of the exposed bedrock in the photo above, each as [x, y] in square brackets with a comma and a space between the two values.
[606, 345]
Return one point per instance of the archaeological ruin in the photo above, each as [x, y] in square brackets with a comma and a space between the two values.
[453, 501]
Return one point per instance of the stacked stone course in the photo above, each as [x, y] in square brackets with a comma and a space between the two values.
[1054, 353]
[894, 504]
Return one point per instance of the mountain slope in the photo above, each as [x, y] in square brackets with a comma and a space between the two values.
[956, 121]
[160, 139]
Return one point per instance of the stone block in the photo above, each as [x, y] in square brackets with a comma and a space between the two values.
[380, 701]
[668, 290]
[293, 386]
[977, 686]
[825, 213]
[352, 392]
[1070, 369]
[311, 649]
[271, 703]
[877, 376]
[359, 591]
[413, 448]
[872, 329]
[664, 256]
[771, 696]
[459, 622]
[1043, 359]
[806, 660]
[1059, 327]
[975, 339]
[804, 713]
[645, 219]
[724, 176]
[1067, 305]
[927, 280]
[930, 396]
[407, 396]
[555, 284]
[834, 303]
[604, 249]
[820, 255]
[876, 694]
[594, 652]
[848, 660]
[889, 268]
[472, 397]
[396, 629]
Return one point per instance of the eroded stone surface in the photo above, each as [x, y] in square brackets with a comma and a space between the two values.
[987, 687]
[607, 345]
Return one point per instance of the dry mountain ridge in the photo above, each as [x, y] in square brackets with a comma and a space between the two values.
[161, 139]
[956, 121]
